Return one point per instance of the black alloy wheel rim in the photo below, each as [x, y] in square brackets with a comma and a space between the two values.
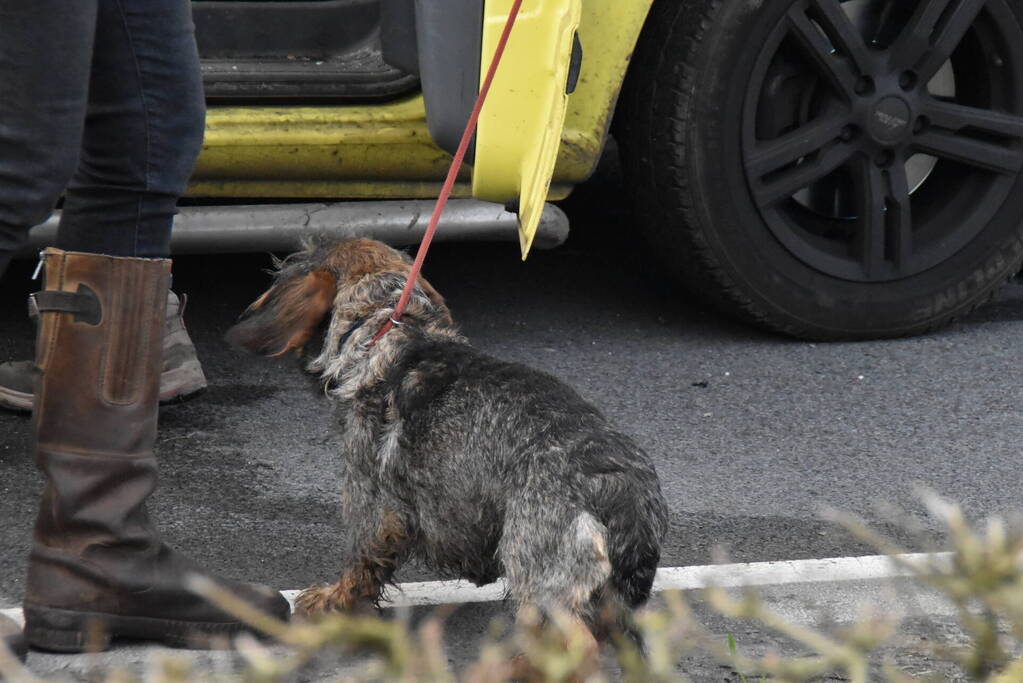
[840, 104]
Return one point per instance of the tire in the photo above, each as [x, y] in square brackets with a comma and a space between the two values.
[824, 188]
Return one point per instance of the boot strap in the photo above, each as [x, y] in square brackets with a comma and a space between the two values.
[84, 304]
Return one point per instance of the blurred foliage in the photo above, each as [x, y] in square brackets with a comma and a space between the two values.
[982, 579]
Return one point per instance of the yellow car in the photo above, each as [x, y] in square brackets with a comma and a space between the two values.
[831, 169]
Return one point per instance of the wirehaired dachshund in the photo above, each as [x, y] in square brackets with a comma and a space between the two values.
[478, 467]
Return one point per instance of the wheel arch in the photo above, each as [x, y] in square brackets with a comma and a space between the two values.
[609, 35]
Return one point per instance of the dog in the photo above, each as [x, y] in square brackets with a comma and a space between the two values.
[478, 467]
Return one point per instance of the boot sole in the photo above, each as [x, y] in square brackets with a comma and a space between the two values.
[176, 386]
[15, 400]
[70, 631]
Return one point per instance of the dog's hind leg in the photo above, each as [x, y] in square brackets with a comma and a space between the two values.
[537, 630]
[377, 553]
[556, 561]
[554, 554]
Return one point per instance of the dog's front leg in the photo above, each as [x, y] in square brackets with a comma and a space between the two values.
[378, 551]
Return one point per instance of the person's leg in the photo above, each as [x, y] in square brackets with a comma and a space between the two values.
[45, 48]
[97, 568]
[43, 95]
[142, 132]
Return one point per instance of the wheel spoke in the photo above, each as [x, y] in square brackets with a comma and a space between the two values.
[786, 183]
[976, 153]
[871, 192]
[956, 117]
[838, 72]
[915, 38]
[843, 34]
[920, 48]
[770, 156]
[949, 37]
[899, 215]
[885, 217]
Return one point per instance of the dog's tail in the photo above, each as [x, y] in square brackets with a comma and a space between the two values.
[634, 543]
[626, 495]
[634, 527]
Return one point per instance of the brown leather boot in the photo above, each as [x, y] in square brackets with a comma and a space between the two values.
[97, 569]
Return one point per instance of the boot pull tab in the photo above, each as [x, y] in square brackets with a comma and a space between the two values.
[84, 304]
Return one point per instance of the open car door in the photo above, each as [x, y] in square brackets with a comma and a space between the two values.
[520, 128]
[519, 131]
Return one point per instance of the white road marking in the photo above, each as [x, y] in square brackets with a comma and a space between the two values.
[14, 613]
[416, 593]
[797, 571]
[751, 574]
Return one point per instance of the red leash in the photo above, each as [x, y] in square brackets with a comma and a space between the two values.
[449, 182]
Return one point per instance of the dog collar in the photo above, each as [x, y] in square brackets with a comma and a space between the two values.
[351, 330]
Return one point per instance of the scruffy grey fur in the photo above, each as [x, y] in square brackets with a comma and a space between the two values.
[479, 467]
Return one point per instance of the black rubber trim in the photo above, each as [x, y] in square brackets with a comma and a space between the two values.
[286, 49]
[575, 64]
[276, 28]
[360, 76]
[450, 39]
[398, 34]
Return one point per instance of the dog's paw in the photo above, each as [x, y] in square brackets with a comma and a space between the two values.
[317, 601]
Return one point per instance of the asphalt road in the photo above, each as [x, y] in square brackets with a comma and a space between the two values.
[752, 434]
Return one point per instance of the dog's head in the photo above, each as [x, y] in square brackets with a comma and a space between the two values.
[348, 281]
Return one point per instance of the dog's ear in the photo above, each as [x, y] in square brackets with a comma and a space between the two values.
[285, 316]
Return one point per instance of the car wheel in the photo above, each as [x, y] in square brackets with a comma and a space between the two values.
[830, 169]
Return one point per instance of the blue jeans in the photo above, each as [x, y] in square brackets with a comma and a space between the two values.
[101, 101]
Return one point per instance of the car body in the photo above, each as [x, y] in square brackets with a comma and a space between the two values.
[827, 169]
[385, 150]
